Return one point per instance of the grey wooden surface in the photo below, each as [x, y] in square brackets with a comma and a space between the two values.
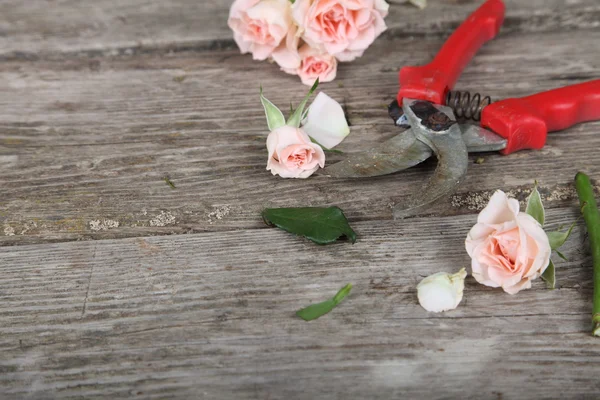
[113, 285]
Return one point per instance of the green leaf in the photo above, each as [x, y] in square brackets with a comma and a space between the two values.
[275, 118]
[315, 311]
[549, 276]
[535, 207]
[557, 239]
[561, 255]
[296, 117]
[321, 225]
[166, 179]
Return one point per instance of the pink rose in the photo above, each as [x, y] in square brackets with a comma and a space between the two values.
[286, 55]
[508, 249]
[306, 62]
[292, 154]
[316, 64]
[259, 26]
[343, 28]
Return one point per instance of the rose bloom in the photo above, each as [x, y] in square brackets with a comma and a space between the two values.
[307, 62]
[343, 28]
[316, 64]
[259, 26]
[508, 249]
[286, 55]
[292, 154]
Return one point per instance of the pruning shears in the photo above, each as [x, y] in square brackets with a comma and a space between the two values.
[427, 107]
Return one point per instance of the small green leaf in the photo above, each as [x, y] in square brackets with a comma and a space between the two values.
[341, 295]
[296, 117]
[304, 115]
[275, 118]
[315, 311]
[549, 276]
[166, 179]
[561, 255]
[557, 239]
[321, 225]
[535, 208]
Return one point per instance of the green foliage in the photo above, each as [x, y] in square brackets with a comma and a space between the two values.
[549, 275]
[275, 118]
[315, 311]
[535, 208]
[296, 117]
[321, 225]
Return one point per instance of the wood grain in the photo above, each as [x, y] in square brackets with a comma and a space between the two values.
[51, 28]
[84, 151]
[211, 316]
[187, 294]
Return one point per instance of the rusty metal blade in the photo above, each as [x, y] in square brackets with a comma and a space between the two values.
[449, 148]
[480, 140]
[404, 151]
[398, 153]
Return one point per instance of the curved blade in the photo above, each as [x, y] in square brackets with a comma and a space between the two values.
[479, 140]
[452, 155]
[400, 152]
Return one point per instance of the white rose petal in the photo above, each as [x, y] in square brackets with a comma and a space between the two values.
[442, 291]
[419, 3]
[326, 122]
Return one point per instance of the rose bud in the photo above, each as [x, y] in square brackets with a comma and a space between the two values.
[442, 291]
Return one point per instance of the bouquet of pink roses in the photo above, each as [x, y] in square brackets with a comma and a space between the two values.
[307, 37]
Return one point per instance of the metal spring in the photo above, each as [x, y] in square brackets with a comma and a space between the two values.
[467, 106]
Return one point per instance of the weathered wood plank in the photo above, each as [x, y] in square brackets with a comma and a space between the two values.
[42, 28]
[84, 147]
[211, 316]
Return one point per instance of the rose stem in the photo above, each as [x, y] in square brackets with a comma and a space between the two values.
[589, 209]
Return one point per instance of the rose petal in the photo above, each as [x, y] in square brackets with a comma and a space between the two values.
[500, 209]
[514, 289]
[326, 122]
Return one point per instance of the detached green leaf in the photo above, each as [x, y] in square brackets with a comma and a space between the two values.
[296, 117]
[549, 276]
[321, 225]
[557, 239]
[535, 208]
[275, 118]
[315, 311]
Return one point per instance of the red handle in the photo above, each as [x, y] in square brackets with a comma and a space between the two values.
[431, 82]
[525, 122]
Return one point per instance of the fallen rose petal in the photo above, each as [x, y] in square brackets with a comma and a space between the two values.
[326, 122]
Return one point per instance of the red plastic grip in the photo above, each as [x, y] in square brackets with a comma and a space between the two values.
[525, 122]
[431, 82]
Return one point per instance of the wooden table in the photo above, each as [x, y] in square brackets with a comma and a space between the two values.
[115, 285]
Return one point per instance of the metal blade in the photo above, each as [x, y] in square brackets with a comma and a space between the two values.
[398, 153]
[404, 151]
[435, 125]
[479, 140]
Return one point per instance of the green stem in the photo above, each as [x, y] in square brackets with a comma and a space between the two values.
[589, 209]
